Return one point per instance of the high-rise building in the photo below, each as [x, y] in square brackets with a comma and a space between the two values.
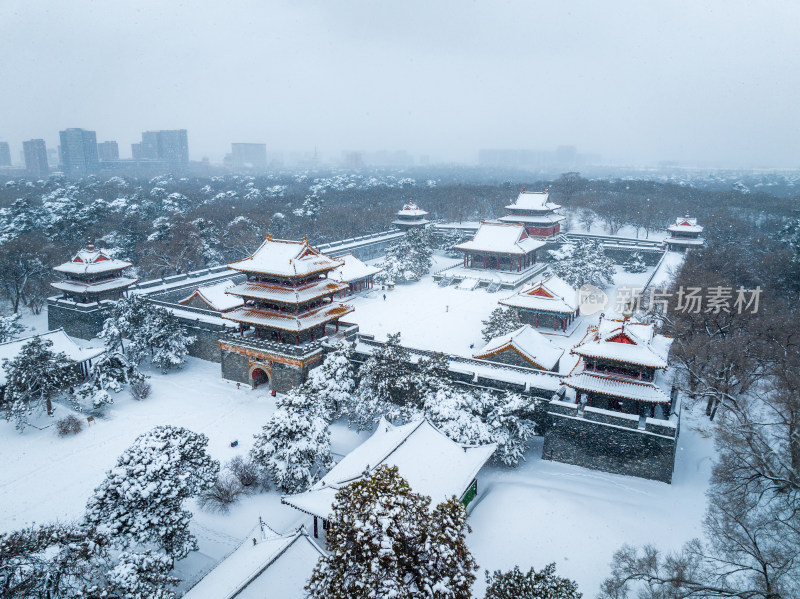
[249, 157]
[5, 154]
[171, 146]
[79, 151]
[35, 153]
[108, 150]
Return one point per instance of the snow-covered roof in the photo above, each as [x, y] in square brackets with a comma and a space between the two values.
[529, 343]
[617, 387]
[533, 219]
[684, 224]
[288, 295]
[216, 296]
[501, 238]
[288, 322]
[431, 463]
[353, 269]
[99, 287]
[411, 209]
[278, 566]
[538, 201]
[286, 258]
[91, 261]
[552, 294]
[61, 343]
[629, 341]
[684, 240]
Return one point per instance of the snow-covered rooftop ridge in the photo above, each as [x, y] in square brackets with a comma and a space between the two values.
[286, 258]
[551, 294]
[61, 343]
[533, 200]
[528, 342]
[353, 269]
[686, 225]
[617, 387]
[628, 341]
[501, 238]
[91, 260]
[276, 566]
[215, 296]
[432, 464]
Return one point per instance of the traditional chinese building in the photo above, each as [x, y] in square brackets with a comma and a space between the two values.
[500, 246]
[410, 217]
[622, 368]
[213, 297]
[536, 212]
[684, 234]
[93, 275]
[523, 347]
[288, 307]
[551, 303]
[356, 274]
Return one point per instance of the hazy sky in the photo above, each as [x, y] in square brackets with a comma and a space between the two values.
[637, 82]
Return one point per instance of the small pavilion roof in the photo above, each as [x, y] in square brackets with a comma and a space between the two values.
[275, 566]
[631, 342]
[533, 201]
[91, 260]
[216, 296]
[288, 322]
[411, 209]
[501, 238]
[685, 224]
[617, 387]
[353, 269]
[431, 462]
[284, 258]
[73, 286]
[527, 342]
[552, 294]
[61, 343]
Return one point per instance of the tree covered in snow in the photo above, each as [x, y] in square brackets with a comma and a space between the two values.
[108, 375]
[294, 446]
[544, 584]
[385, 541]
[334, 383]
[502, 321]
[150, 331]
[385, 387]
[69, 561]
[141, 499]
[582, 263]
[33, 377]
[480, 417]
[10, 327]
[634, 263]
[409, 258]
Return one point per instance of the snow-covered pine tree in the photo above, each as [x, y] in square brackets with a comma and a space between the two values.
[150, 331]
[502, 321]
[385, 387]
[385, 542]
[33, 378]
[69, 561]
[334, 383]
[544, 584]
[108, 375]
[10, 327]
[141, 499]
[409, 258]
[512, 421]
[294, 446]
[583, 263]
[634, 263]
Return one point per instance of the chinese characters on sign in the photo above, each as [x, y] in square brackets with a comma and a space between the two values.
[692, 300]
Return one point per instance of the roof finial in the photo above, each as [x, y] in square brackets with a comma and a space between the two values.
[305, 241]
[522, 189]
[90, 245]
[269, 237]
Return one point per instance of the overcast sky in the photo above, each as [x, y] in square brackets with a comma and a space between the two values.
[637, 82]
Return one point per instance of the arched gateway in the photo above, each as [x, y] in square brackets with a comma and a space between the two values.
[259, 375]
